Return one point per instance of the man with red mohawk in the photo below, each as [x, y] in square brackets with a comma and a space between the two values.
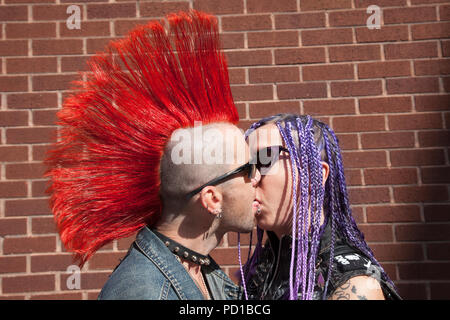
[117, 168]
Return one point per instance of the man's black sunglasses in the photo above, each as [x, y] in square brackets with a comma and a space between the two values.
[251, 167]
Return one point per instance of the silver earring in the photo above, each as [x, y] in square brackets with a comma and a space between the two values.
[218, 213]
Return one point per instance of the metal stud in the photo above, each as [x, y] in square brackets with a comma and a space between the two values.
[194, 258]
[167, 243]
[207, 262]
[185, 254]
[176, 249]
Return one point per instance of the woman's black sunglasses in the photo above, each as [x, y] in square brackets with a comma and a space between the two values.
[262, 160]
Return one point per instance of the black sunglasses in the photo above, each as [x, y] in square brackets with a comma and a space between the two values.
[270, 156]
[249, 167]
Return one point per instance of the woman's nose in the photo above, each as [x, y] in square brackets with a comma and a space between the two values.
[256, 179]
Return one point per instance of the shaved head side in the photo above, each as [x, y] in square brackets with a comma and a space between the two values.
[194, 156]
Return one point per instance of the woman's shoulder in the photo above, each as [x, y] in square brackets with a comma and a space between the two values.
[359, 288]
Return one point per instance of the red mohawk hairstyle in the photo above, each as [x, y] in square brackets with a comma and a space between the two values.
[104, 169]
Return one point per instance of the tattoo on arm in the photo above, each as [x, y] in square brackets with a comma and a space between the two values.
[360, 297]
[354, 289]
[340, 293]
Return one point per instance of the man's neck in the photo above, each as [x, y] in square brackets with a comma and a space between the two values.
[195, 240]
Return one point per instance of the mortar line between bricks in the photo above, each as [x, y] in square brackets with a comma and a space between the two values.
[138, 9]
[322, 64]
[2, 208]
[58, 282]
[382, 114]
[30, 13]
[3, 105]
[359, 142]
[384, 186]
[440, 51]
[24, 162]
[428, 290]
[247, 111]
[237, 15]
[352, 81]
[245, 42]
[376, 186]
[27, 263]
[84, 15]
[29, 49]
[58, 247]
[328, 88]
[364, 214]
[416, 138]
[3, 138]
[441, 85]
[360, 27]
[58, 31]
[391, 196]
[274, 92]
[112, 32]
[332, 45]
[350, 98]
[29, 231]
[115, 248]
[2, 173]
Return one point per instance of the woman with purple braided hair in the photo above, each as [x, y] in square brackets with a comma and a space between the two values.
[314, 249]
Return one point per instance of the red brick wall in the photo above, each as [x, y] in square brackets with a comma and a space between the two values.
[385, 93]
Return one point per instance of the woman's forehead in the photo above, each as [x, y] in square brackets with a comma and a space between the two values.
[264, 136]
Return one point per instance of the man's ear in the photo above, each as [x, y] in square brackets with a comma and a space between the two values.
[325, 172]
[211, 199]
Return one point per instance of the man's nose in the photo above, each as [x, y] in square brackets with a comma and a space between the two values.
[256, 179]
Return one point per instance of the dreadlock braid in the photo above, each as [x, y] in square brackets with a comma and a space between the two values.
[294, 160]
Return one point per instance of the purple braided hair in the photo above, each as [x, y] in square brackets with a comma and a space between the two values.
[316, 202]
[335, 207]
[302, 237]
[293, 284]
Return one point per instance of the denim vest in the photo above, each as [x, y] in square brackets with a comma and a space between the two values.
[149, 271]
